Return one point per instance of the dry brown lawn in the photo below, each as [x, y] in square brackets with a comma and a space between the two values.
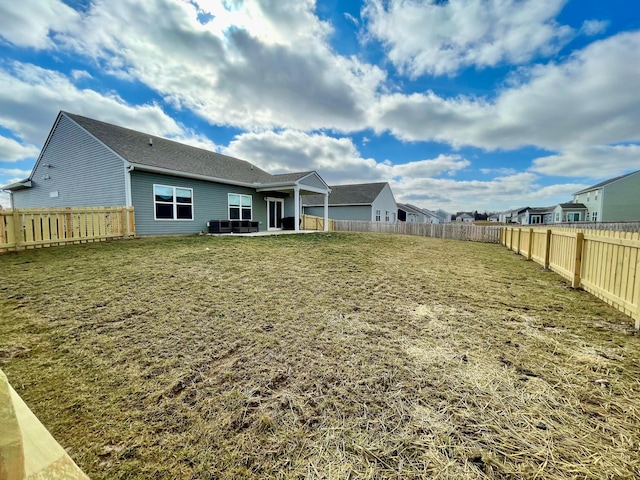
[319, 356]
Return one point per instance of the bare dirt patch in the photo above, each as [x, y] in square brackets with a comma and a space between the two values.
[319, 356]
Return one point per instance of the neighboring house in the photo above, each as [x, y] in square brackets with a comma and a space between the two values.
[372, 202]
[494, 217]
[537, 215]
[174, 188]
[431, 217]
[516, 215]
[445, 217]
[410, 213]
[569, 212]
[465, 217]
[614, 200]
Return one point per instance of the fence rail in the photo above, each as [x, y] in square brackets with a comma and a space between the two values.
[46, 227]
[311, 222]
[452, 231]
[604, 263]
[612, 226]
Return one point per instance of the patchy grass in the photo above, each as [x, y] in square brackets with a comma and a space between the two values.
[319, 356]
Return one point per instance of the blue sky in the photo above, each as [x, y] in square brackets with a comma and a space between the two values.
[461, 104]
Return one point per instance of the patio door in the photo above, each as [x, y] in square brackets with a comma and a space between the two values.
[275, 211]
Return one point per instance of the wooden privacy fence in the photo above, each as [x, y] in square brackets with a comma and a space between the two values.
[452, 231]
[311, 222]
[45, 227]
[27, 449]
[604, 263]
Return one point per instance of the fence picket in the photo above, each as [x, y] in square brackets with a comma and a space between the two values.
[37, 228]
[604, 263]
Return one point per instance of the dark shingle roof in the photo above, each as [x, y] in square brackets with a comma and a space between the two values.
[541, 209]
[168, 154]
[573, 205]
[407, 207]
[606, 182]
[355, 194]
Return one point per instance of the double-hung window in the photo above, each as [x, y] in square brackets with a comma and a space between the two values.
[386, 215]
[172, 203]
[240, 207]
[377, 215]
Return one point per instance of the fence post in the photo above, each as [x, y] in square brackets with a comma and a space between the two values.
[18, 231]
[131, 222]
[636, 314]
[519, 239]
[547, 251]
[577, 266]
[529, 253]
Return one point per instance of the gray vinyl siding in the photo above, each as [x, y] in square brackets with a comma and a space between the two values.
[210, 202]
[621, 200]
[312, 181]
[290, 206]
[347, 212]
[384, 202]
[593, 205]
[83, 172]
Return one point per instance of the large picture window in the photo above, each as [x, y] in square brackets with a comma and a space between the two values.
[173, 203]
[240, 207]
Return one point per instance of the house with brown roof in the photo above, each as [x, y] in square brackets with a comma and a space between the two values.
[173, 187]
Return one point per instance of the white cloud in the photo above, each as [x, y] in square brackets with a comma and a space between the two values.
[5, 201]
[336, 159]
[593, 27]
[80, 75]
[274, 68]
[600, 161]
[499, 171]
[439, 38]
[29, 23]
[500, 193]
[30, 98]
[12, 151]
[589, 99]
[18, 173]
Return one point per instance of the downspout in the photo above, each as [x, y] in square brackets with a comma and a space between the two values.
[128, 168]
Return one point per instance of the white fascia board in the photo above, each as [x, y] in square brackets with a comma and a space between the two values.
[17, 185]
[318, 176]
[264, 187]
[338, 204]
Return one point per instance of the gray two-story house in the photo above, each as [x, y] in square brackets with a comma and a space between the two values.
[173, 187]
[614, 200]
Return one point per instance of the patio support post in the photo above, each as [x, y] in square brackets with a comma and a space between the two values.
[296, 197]
[326, 212]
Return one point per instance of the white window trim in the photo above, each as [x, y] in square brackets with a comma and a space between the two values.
[174, 203]
[378, 216]
[239, 206]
